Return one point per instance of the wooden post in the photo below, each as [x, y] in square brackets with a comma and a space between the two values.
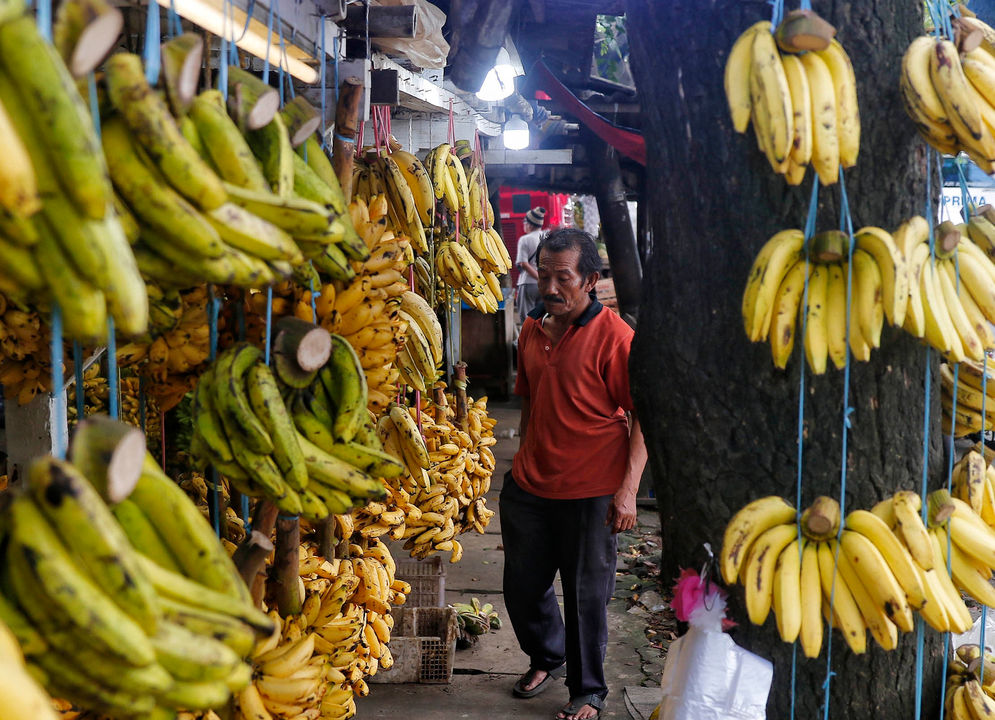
[326, 537]
[346, 128]
[250, 556]
[286, 567]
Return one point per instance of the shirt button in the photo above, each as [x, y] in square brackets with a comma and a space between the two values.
[547, 348]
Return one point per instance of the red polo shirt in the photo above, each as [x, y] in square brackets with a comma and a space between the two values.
[577, 441]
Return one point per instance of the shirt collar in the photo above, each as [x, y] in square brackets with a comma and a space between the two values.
[592, 310]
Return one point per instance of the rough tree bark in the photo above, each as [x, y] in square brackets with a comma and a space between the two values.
[720, 421]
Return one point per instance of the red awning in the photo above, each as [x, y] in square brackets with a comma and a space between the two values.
[629, 143]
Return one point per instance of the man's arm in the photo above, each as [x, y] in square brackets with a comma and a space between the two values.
[528, 268]
[622, 511]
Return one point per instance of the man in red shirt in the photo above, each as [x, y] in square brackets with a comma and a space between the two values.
[575, 475]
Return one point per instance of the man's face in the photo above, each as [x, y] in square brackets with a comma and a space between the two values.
[561, 286]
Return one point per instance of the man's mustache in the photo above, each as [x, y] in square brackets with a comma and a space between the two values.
[551, 299]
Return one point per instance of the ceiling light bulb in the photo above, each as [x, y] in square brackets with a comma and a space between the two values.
[500, 80]
[516, 133]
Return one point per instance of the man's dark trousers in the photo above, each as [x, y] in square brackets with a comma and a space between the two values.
[540, 537]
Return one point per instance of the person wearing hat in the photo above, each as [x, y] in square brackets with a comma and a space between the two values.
[528, 294]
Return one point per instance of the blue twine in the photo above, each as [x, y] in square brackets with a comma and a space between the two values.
[343, 138]
[91, 83]
[335, 49]
[78, 369]
[240, 320]
[777, 13]
[984, 421]
[152, 40]
[226, 13]
[44, 19]
[813, 207]
[114, 401]
[60, 422]
[314, 296]
[174, 24]
[324, 61]
[212, 324]
[806, 5]
[846, 224]
[283, 54]
[269, 42]
[269, 320]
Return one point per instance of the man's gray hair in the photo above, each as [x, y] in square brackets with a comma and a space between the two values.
[562, 239]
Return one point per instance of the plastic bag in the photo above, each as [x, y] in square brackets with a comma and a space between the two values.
[707, 676]
[427, 49]
[973, 636]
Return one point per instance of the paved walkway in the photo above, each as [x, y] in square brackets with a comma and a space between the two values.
[484, 674]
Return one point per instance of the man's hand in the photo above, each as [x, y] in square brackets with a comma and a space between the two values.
[622, 511]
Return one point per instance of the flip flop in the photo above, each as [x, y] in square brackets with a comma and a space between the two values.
[519, 691]
[576, 703]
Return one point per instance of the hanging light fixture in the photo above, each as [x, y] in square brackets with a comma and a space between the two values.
[500, 80]
[516, 133]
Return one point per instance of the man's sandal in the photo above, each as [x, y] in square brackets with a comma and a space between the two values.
[519, 688]
[576, 704]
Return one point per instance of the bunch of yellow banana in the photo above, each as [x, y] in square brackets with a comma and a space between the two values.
[949, 92]
[61, 238]
[20, 695]
[421, 356]
[195, 486]
[803, 106]
[966, 418]
[25, 370]
[885, 564]
[973, 482]
[460, 270]
[124, 609]
[773, 300]
[449, 183]
[952, 294]
[243, 427]
[970, 686]
[401, 178]
[96, 393]
[343, 629]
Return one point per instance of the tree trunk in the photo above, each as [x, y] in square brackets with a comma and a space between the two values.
[720, 420]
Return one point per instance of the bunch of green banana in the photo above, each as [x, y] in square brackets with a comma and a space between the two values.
[243, 427]
[950, 93]
[871, 576]
[140, 596]
[970, 686]
[782, 274]
[459, 269]
[61, 239]
[474, 620]
[803, 106]
[20, 695]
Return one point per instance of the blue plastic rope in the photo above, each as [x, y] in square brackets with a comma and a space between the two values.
[113, 403]
[152, 40]
[269, 41]
[777, 13]
[806, 4]
[283, 52]
[813, 207]
[984, 419]
[269, 321]
[846, 224]
[174, 24]
[60, 421]
[314, 297]
[335, 50]
[321, 75]
[44, 19]
[226, 15]
[91, 83]
[212, 324]
[78, 371]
